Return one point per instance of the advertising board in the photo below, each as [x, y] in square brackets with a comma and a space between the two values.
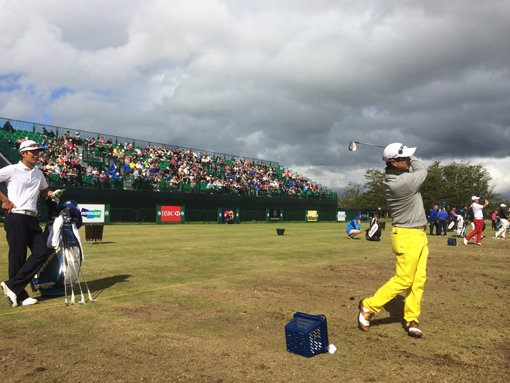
[170, 213]
[95, 213]
[312, 216]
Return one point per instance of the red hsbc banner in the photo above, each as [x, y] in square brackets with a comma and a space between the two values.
[171, 214]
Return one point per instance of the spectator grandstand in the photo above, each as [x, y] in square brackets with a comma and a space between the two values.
[110, 162]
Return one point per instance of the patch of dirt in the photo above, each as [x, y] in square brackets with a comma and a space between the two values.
[446, 360]
[145, 312]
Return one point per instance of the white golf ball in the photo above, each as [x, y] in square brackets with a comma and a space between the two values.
[332, 348]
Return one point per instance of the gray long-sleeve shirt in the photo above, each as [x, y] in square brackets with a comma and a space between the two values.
[402, 190]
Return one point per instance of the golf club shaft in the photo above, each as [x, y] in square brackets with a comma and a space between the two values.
[73, 266]
[364, 143]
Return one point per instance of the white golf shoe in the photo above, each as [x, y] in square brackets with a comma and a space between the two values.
[9, 295]
[29, 301]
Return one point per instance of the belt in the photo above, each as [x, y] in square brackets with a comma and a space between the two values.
[24, 212]
[421, 228]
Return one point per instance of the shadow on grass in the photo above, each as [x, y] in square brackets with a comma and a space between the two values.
[395, 308]
[99, 285]
[96, 286]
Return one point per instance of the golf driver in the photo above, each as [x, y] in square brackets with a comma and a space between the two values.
[353, 145]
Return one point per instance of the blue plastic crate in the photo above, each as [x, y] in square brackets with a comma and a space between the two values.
[307, 335]
[452, 242]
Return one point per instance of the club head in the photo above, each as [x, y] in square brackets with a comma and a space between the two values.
[352, 146]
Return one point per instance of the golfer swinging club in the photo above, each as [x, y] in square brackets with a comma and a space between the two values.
[408, 238]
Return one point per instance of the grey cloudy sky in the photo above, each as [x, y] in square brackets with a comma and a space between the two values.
[284, 80]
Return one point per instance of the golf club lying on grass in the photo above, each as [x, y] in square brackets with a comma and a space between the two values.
[353, 145]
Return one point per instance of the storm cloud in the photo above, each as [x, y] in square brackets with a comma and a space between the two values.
[290, 81]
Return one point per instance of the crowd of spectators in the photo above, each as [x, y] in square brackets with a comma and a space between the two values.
[61, 160]
[162, 168]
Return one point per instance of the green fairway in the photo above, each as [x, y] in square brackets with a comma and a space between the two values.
[209, 302]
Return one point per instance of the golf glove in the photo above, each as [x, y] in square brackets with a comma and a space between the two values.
[55, 196]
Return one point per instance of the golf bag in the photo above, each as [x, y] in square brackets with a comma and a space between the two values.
[461, 226]
[63, 265]
[452, 222]
[373, 233]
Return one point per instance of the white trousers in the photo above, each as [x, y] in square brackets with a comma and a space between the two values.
[504, 227]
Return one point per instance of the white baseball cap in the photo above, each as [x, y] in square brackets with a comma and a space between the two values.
[397, 150]
[502, 205]
[474, 198]
[29, 145]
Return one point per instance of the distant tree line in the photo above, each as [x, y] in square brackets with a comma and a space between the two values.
[450, 185]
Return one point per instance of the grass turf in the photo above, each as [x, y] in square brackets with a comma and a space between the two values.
[208, 303]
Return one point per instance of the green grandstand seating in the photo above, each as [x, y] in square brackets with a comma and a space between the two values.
[202, 186]
[100, 159]
[163, 185]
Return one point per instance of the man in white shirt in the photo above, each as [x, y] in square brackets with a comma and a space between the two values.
[25, 182]
[478, 221]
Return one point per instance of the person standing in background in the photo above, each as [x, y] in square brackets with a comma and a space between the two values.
[433, 220]
[494, 219]
[503, 218]
[442, 217]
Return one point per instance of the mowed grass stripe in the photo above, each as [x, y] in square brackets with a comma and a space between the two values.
[45, 306]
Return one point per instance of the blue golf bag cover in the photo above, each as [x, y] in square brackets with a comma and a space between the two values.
[61, 234]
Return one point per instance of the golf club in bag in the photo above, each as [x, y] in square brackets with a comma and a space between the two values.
[373, 233]
[61, 272]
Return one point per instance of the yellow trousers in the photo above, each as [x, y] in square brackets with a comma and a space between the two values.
[410, 246]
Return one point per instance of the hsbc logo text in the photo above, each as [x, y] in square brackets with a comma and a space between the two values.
[171, 213]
